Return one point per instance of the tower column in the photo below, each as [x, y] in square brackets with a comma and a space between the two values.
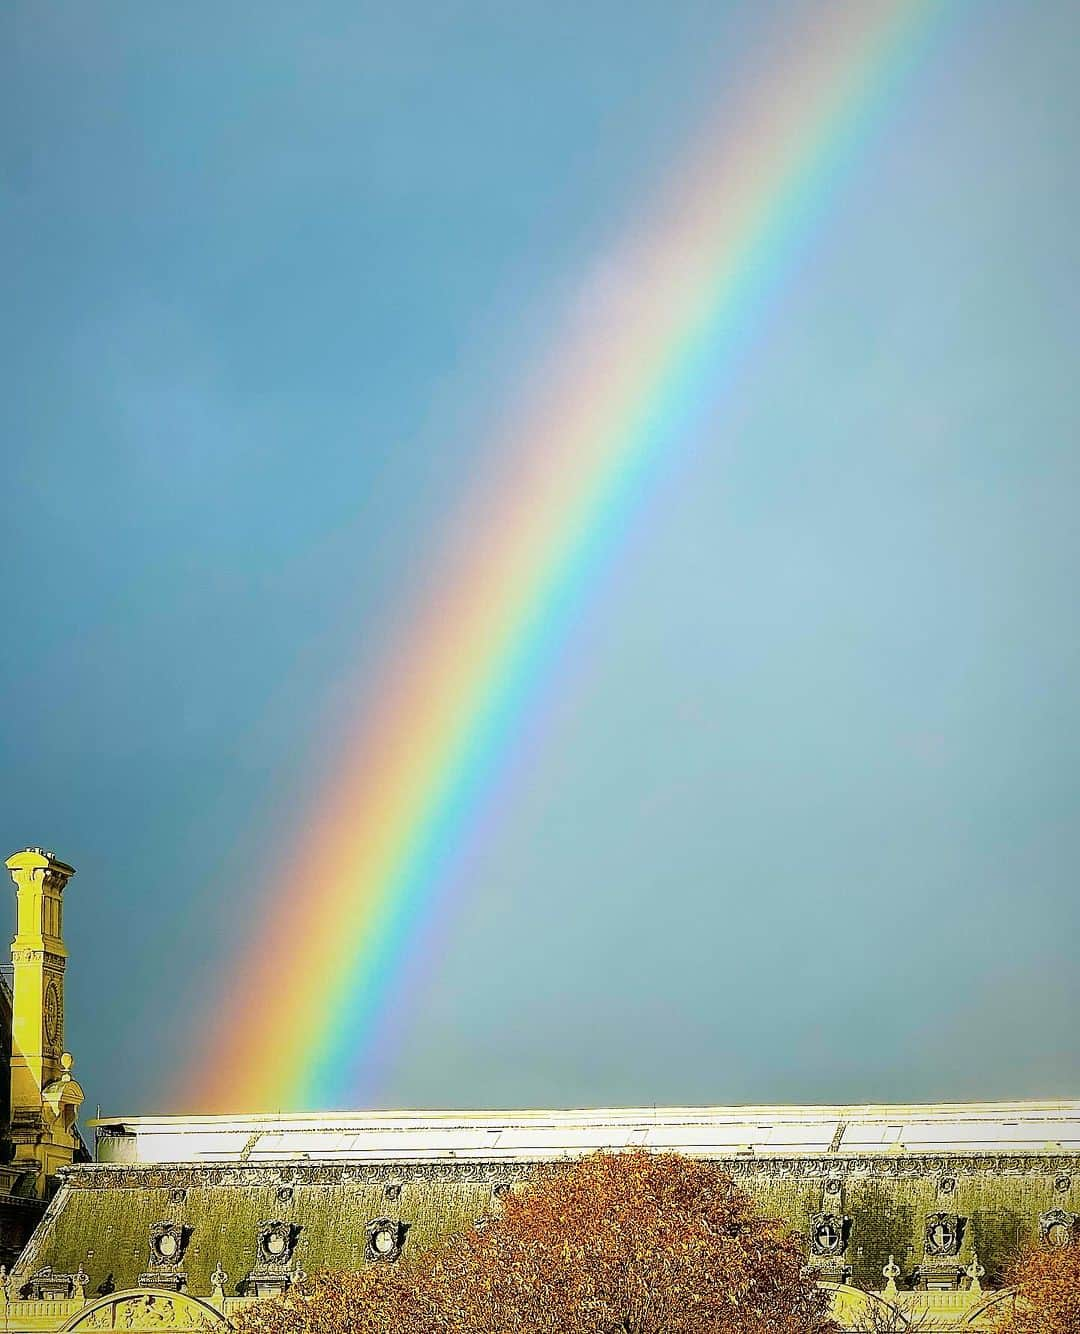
[44, 1097]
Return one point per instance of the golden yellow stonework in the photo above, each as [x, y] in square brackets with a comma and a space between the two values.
[146, 1310]
[45, 1099]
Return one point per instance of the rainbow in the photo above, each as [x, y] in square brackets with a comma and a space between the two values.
[645, 354]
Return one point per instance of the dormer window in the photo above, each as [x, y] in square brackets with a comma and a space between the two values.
[167, 1243]
[276, 1242]
[385, 1238]
[1057, 1228]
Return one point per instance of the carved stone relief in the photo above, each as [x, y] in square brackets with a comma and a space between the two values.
[168, 1241]
[276, 1242]
[138, 1311]
[943, 1234]
[47, 1284]
[1057, 1228]
[828, 1234]
[385, 1238]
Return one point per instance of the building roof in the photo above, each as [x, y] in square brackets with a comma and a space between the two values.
[535, 1136]
[999, 1192]
[103, 1219]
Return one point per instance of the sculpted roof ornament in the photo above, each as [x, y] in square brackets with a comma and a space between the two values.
[828, 1234]
[385, 1239]
[943, 1234]
[276, 1242]
[1057, 1227]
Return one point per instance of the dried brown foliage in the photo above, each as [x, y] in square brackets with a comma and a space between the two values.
[1047, 1283]
[376, 1300]
[630, 1243]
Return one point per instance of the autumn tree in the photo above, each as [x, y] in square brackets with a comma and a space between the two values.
[379, 1299]
[628, 1243]
[1047, 1283]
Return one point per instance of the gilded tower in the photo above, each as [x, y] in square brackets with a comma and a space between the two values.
[45, 1099]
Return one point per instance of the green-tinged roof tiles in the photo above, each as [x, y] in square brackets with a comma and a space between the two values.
[103, 1215]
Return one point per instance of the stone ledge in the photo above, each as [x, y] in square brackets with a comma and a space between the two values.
[147, 1176]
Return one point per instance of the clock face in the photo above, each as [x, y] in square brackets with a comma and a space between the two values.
[52, 1014]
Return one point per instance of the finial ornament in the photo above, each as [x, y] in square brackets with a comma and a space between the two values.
[218, 1279]
[975, 1272]
[79, 1281]
[891, 1273]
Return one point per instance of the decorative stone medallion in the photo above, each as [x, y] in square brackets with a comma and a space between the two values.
[1057, 1228]
[167, 1243]
[385, 1238]
[276, 1242]
[828, 1234]
[943, 1232]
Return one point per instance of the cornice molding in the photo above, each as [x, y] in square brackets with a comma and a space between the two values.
[151, 1176]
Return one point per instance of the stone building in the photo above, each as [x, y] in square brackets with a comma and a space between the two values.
[179, 1221]
[39, 1099]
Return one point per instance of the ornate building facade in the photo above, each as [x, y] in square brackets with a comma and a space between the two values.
[179, 1221]
[40, 1099]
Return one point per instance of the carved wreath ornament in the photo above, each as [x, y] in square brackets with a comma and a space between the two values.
[54, 1015]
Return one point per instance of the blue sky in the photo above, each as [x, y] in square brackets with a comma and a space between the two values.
[800, 821]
